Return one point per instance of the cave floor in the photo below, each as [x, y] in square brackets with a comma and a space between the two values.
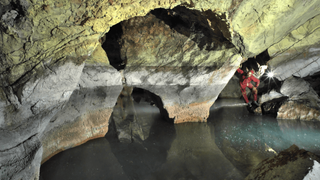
[228, 146]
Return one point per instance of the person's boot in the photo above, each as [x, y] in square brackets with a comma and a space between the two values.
[255, 103]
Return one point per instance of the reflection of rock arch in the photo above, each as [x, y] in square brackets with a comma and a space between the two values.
[134, 114]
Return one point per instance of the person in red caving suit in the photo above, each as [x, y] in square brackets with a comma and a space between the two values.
[245, 81]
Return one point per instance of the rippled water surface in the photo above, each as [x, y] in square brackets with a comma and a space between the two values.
[228, 146]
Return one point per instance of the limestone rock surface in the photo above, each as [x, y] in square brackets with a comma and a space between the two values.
[303, 102]
[184, 64]
[26, 113]
[86, 115]
[232, 89]
[292, 163]
[298, 53]
[271, 96]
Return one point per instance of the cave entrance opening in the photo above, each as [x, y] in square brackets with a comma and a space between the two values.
[256, 63]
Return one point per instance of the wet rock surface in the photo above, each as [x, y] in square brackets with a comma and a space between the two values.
[292, 163]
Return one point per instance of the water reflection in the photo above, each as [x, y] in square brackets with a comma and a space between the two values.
[227, 147]
[244, 138]
[305, 134]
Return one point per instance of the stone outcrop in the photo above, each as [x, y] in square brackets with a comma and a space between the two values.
[295, 110]
[27, 110]
[303, 102]
[258, 25]
[292, 163]
[271, 96]
[86, 115]
[184, 63]
[293, 99]
[270, 102]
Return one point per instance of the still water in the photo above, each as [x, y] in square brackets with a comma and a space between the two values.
[228, 146]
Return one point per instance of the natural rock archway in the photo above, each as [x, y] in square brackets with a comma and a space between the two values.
[179, 58]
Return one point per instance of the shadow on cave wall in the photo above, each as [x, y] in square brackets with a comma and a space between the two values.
[192, 22]
[153, 99]
[253, 63]
[314, 81]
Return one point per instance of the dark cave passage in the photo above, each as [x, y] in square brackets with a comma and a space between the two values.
[257, 61]
[111, 43]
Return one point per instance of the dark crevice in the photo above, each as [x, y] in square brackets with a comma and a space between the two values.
[253, 63]
[19, 8]
[19, 143]
[272, 107]
[314, 81]
[188, 22]
[112, 46]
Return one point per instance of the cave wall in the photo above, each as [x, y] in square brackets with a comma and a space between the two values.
[182, 62]
[298, 53]
[45, 45]
[86, 115]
